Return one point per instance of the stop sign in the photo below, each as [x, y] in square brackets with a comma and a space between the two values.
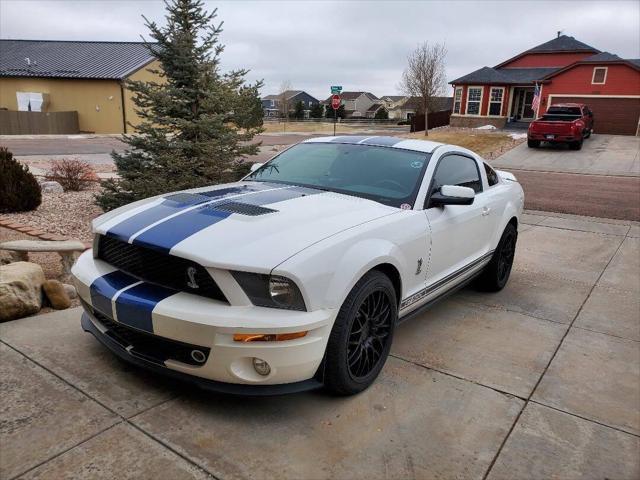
[335, 102]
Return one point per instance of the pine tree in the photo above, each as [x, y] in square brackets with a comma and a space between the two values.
[196, 121]
[317, 111]
[299, 110]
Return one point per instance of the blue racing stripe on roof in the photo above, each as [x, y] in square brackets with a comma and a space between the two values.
[349, 139]
[134, 306]
[103, 289]
[173, 204]
[383, 141]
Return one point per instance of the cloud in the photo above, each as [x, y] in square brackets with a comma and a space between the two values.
[360, 45]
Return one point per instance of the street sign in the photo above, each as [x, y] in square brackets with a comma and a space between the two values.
[336, 89]
[335, 101]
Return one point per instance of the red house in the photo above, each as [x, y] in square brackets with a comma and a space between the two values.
[566, 70]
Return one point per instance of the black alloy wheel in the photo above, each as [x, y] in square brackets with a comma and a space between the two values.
[506, 254]
[361, 336]
[369, 335]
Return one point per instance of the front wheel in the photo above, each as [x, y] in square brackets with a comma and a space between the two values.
[361, 337]
[496, 274]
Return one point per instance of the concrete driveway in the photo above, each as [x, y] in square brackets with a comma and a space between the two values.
[541, 380]
[600, 155]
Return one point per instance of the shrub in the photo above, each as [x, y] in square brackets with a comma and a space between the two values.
[19, 189]
[72, 174]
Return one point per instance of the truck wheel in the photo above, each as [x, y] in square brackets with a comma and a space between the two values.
[533, 143]
[361, 337]
[576, 145]
[496, 274]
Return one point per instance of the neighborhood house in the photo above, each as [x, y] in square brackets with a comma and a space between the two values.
[69, 76]
[566, 71]
[274, 104]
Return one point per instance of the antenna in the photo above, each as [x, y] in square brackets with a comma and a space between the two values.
[559, 33]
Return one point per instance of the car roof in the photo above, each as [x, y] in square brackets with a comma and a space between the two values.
[380, 141]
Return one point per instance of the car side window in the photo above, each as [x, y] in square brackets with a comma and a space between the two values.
[492, 176]
[457, 170]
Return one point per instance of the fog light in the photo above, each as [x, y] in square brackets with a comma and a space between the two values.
[198, 356]
[261, 367]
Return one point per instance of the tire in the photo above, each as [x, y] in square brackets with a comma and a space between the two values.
[588, 134]
[533, 143]
[359, 344]
[576, 145]
[496, 274]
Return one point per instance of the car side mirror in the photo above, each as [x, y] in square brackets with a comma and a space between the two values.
[452, 195]
[256, 166]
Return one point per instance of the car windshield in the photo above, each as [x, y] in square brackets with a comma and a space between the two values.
[387, 175]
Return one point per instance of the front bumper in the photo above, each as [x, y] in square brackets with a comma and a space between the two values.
[192, 320]
[92, 325]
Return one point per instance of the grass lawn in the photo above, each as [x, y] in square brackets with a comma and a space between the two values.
[487, 144]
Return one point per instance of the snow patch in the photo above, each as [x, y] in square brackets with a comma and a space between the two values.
[518, 136]
[486, 127]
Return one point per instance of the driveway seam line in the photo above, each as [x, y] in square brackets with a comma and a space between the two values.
[546, 368]
[457, 377]
[109, 409]
[617, 429]
[607, 334]
[53, 457]
[510, 310]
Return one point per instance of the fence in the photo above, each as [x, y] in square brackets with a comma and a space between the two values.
[436, 119]
[38, 123]
[344, 121]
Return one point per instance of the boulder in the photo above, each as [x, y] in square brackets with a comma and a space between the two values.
[20, 290]
[51, 187]
[71, 290]
[56, 294]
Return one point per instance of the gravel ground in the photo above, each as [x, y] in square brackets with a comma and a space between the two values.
[68, 214]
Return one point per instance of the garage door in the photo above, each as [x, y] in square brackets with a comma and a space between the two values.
[618, 116]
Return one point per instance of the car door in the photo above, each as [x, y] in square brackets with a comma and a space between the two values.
[460, 234]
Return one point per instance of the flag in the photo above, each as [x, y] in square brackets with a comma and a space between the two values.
[535, 104]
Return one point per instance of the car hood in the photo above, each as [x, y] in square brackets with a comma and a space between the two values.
[252, 225]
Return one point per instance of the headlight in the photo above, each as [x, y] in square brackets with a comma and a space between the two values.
[272, 291]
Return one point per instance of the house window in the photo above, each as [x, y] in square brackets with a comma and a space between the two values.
[599, 75]
[457, 100]
[495, 100]
[474, 97]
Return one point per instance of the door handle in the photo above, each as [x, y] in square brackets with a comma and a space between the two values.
[485, 211]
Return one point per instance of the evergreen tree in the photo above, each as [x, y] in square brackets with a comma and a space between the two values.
[317, 111]
[382, 114]
[196, 121]
[299, 110]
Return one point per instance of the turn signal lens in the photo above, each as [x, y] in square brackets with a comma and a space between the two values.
[267, 337]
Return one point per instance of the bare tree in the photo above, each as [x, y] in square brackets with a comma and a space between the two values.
[425, 76]
[283, 101]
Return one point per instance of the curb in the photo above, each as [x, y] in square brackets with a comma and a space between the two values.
[35, 232]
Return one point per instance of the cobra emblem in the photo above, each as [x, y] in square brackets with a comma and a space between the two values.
[191, 273]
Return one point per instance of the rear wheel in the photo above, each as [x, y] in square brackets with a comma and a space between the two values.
[361, 337]
[533, 143]
[497, 272]
[588, 133]
[576, 145]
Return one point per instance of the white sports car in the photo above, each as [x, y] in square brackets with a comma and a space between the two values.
[296, 276]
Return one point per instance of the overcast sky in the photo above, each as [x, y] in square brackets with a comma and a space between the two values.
[361, 45]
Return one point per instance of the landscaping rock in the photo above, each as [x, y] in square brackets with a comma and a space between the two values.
[51, 187]
[71, 290]
[20, 290]
[5, 257]
[56, 294]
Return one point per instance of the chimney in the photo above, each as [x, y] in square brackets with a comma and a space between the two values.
[559, 32]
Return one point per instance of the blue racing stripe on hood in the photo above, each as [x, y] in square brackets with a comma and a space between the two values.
[166, 235]
[174, 203]
[104, 288]
[135, 305]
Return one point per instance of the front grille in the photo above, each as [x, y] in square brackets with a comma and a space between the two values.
[159, 268]
[151, 347]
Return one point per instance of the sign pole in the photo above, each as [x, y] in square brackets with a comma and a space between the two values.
[335, 120]
[335, 104]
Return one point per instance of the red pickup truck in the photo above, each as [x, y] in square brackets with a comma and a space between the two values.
[562, 123]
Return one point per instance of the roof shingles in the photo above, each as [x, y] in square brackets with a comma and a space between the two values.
[71, 59]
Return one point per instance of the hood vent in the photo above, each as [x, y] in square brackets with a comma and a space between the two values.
[242, 208]
[187, 198]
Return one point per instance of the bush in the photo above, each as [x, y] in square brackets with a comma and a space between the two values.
[72, 174]
[19, 189]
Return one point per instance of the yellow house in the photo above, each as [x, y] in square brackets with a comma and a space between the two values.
[86, 77]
